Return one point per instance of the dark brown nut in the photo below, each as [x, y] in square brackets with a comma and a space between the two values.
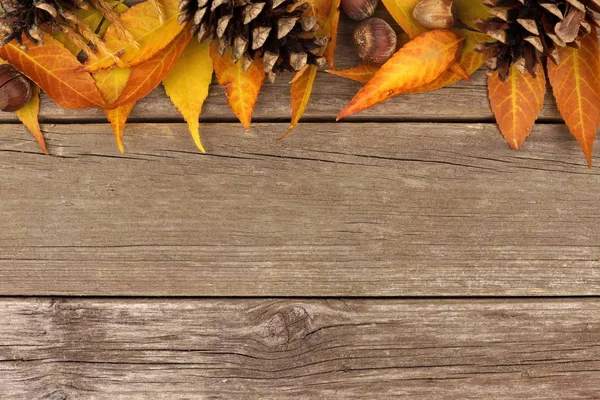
[359, 9]
[375, 41]
[15, 89]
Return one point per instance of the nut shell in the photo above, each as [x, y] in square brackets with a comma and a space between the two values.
[375, 41]
[15, 89]
[359, 9]
[435, 14]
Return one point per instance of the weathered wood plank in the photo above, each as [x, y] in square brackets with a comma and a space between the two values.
[338, 209]
[462, 101]
[274, 349]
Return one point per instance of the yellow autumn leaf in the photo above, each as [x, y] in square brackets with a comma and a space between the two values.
[471, 11]
[151, 29]
[188, 82]
[401, 11]
[29, 114]
[117, 118]
[111, 84]
[301, 89]
[300, 95]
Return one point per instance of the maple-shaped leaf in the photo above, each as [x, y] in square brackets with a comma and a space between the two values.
[188, 82]
[57, 72]
[360, 73]
[150, 29]
[147, 76]
[29, 115]
[517, 102]
[419, 62]
[402, 12]
[576, 86]
[242, 87]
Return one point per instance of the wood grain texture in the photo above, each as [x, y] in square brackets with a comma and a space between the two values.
[335, 210]
[462, 101]
[270, 349]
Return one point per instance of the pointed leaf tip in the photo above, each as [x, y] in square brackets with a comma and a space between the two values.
[576, 86]
[419, 62]
[516, 103]
[187, 85]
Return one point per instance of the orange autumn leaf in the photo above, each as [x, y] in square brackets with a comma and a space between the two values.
[28, 115]
[333, 22]
[117, 118]
[470, 60]
[576, 86]
[402, 12]
[516, 103]
[300, 95]
[56, 71]
[302, 84]
[150, 30]
[147, 76]
[419, 62]
[360, 73]
[242, 88]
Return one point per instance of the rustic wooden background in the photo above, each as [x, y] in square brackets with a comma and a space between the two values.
[404, 253]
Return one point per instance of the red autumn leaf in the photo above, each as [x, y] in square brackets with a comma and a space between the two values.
[147, 76]
[361, 73]
[516, 103]
[56, 71]
[576, 86]
[242, 88]
[419, 62]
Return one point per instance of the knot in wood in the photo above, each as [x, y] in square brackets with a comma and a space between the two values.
[285, 324]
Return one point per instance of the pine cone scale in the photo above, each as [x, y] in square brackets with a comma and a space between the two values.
[275, 30]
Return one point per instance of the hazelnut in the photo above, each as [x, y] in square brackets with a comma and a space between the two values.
[15, 89]
[359, 9]
[435, 14]
[375, 41]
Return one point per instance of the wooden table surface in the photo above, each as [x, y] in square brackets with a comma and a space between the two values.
[404, 253]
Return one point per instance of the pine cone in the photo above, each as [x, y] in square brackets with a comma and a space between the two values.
[524, 29]
[276, 30]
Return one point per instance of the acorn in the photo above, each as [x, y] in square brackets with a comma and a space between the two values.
[435, 14]
[359, 9]
[15, 89]
[375, 41]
